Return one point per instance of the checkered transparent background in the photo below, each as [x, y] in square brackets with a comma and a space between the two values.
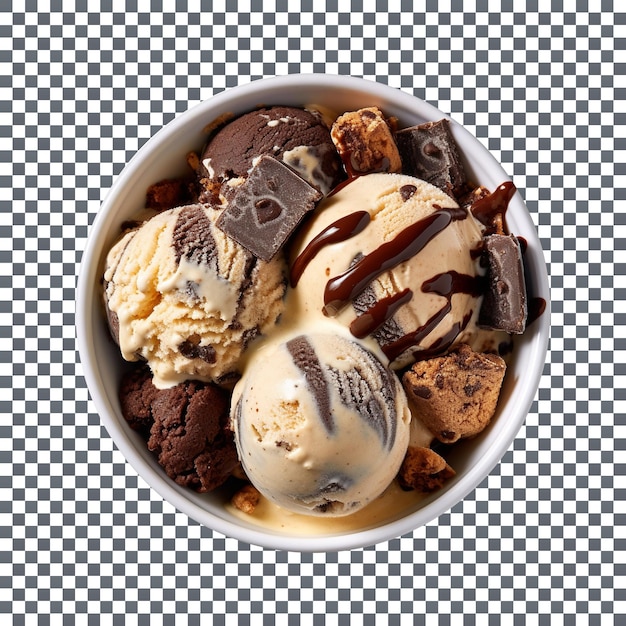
[84, 85]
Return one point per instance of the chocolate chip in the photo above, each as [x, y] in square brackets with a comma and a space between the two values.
[422, 392]
[370, 115]
[192, 350]
[471, 389]
[406, 191]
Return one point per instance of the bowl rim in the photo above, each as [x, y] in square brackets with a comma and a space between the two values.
[85, 299]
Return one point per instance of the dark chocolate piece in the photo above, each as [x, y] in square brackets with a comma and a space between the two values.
[267, 208]
[429, 152]
[504, 305]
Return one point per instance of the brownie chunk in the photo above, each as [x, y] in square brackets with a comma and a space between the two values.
[186, 426]
[170, 193]
[423, 470]
[456, 395]
[429, 152]
[137, 393]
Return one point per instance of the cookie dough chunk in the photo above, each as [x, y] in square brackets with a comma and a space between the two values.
[456, 395]
[365, 142]
[246, 499]
[424, 470]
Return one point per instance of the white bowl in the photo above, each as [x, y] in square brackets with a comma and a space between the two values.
[163, 156]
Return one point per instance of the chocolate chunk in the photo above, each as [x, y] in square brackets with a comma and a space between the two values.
[429, 152]
[422, 391]
[193, 350]
[504, 305]
[407, 191]
[267, 208]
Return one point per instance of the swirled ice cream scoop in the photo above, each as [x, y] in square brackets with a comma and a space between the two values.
[186, 298]
[321, 426]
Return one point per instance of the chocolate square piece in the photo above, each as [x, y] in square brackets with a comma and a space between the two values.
[504, 304]
[429, 152]
[267, 208]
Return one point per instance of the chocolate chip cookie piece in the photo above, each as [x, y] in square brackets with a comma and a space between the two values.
[455, 396]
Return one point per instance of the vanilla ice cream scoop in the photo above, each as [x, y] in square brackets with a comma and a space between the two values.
[321, 426]
[393, 257]
[186, 298]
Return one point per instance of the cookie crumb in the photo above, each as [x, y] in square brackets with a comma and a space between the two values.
[424, 470]
[246, 499]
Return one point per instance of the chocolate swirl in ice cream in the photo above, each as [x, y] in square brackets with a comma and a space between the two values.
[375, 404]
[187, 299]
[305, 359]
[192, 238]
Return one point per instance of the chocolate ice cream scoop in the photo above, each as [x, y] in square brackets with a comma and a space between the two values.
[297, 137]
[186, 427]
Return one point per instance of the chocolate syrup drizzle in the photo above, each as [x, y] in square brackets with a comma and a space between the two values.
[446, 285]
[346, 286]
[344, 228]
[370, 321]
[487, 210]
